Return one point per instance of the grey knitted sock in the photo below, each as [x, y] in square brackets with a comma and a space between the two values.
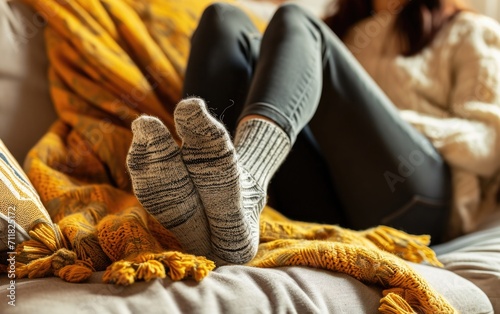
[231, 182]
[162, 184]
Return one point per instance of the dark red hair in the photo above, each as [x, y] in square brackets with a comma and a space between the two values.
[417, 22]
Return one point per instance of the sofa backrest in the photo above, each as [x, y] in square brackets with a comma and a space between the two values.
[26, 110]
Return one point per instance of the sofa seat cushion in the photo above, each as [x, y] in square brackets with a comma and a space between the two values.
[235, 289]
[476, 257]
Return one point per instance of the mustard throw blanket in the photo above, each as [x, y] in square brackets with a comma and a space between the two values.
[111, 60]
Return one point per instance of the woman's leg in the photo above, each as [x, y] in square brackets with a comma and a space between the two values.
[298, 56]
[231, 187]
[230, 182]
[224, 52]
[383, 170]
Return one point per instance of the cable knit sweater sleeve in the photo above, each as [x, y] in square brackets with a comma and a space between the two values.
[468, 136]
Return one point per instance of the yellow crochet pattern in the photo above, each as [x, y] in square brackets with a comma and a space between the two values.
[111, 60]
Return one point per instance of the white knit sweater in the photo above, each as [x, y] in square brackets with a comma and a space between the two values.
[450, 92]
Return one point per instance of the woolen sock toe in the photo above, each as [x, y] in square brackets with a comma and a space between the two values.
[163, 186]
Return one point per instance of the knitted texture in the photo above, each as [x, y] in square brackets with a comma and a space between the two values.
[231, 182]
[370, 256]
[450, 92]
[163, 186]
[111, 61]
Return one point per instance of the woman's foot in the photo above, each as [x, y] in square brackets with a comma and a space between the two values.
[163, 186]
[231, 180]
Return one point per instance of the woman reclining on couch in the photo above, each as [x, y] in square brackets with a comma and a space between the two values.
[385, 113]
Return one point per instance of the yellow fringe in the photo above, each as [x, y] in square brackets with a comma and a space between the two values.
[47, 254]
[149, 266]
[80, 271]
[46, 266]
[74, 273]
[120, 273]
[50, 236]
[394, 304]
[34, 257]
[412, 248]
[150, 270]
[45, 240]
[400, 298]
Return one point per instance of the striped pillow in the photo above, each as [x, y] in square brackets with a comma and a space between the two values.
[20, 205]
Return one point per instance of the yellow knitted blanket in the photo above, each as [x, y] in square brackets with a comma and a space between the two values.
[111, 60]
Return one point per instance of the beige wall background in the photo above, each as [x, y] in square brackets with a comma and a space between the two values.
[266, 7]
[488, 7]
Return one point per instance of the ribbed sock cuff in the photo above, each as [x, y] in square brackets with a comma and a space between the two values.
[261, 147]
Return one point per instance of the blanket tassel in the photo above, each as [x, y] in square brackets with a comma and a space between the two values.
[149, 266]
[47, 254]
[394, 304]
[412, 248]
[406, 301]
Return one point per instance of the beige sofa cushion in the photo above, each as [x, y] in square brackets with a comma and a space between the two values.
[476, 257]
[234, 289]
[25, 107]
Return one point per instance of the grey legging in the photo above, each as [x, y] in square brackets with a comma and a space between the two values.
[355, 162]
